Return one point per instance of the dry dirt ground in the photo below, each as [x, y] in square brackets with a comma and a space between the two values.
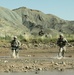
[35, 58]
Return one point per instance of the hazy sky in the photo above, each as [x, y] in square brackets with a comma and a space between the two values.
[61, 8]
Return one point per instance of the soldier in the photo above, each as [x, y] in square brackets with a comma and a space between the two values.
[61, 42]
[15, 47]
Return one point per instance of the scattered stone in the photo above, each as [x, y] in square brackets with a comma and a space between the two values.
[56, 64]
[39, 69]
[29, 55]
[64, 63]
[5, 61]
[37, 72]
[52, 62]
[27, 67]
[25, 70]
[61, 69]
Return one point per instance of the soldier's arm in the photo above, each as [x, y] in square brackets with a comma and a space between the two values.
[19, 43]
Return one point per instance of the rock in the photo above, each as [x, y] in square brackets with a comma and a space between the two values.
[39, 69]
[61, 69]
[25, 70]
[5, 61]
[37, 72]
[27, 67]
[56, 64]
[52, 62]
[64, 63]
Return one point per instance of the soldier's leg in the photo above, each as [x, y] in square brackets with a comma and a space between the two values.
[63, 52]
[60, 52]
[13, 54]
[17, 53]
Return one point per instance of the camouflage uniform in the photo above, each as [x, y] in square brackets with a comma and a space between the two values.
[15, 47]
[61, 42]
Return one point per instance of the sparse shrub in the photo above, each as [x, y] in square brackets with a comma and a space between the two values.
[2, 38]
[7, 37]
[21, 37]
[39, 39]
[70, 37]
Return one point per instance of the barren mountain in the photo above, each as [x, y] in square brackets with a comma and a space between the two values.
[37, 20]
[24, 20]
[11, 23]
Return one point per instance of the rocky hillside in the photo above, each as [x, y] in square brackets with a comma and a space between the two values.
[24, 20]
[37, 20]
[11, 23]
